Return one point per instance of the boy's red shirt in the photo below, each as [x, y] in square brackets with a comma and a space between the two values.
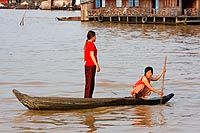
[90, 47]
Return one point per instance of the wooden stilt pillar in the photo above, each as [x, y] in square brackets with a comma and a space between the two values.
[136, 19]
[52, 1]
[164, 20]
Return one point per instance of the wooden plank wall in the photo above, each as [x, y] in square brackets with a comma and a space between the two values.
[194, 3]
[125, 3]
[170, 3]
[111, 3]
[145, 3]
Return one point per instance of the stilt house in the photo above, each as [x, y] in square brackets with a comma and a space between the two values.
[141, 11]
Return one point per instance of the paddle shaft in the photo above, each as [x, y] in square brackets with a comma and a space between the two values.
[22, 21]
[163, 78]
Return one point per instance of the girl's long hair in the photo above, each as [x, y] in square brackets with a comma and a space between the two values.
[147, 69]
[90, 34]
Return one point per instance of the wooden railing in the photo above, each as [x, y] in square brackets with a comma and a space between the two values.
[191, 12]
[132, 11]
[167, 12]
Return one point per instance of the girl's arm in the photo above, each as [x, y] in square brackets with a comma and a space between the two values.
[94, 60]
[150, 87]
[159, 75]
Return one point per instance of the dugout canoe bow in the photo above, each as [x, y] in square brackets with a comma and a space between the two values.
[64, 103]
[68, 18]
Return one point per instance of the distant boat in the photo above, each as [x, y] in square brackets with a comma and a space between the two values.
[68, 18]
[66, 103]
[2, 6]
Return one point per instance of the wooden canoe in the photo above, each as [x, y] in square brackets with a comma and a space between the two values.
[68, 18]
[63, 103]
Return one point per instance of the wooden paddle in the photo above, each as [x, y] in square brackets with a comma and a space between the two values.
[163, 78]
[22, 21]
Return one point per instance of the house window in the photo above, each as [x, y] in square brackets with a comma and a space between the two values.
[98, 3]
[133, 3]
[119, 3]
[136, 3]
[103, 3]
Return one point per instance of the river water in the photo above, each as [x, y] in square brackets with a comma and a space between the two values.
[45, 58]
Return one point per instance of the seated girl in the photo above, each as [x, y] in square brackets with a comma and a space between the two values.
[142, 87]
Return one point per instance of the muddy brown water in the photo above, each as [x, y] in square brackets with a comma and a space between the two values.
[45, 58]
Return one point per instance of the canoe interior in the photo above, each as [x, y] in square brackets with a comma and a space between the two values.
[63, 103]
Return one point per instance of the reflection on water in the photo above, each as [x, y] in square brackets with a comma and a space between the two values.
[147, 116]
[89, 121]
[143, 116]
[59, 120]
